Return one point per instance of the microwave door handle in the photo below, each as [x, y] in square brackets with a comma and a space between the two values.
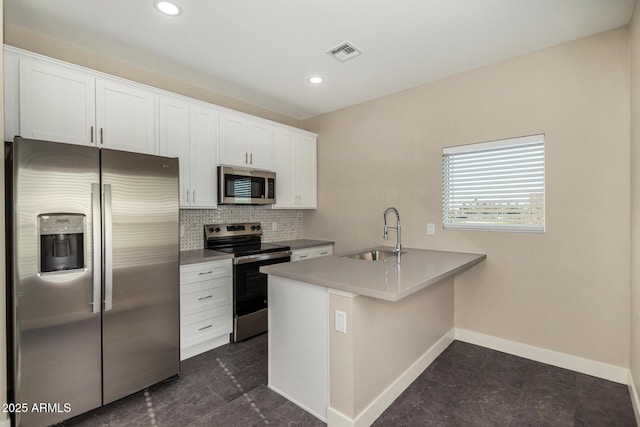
[108, 249]
[97, 248]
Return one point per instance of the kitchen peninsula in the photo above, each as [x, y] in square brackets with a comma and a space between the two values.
[348, 335]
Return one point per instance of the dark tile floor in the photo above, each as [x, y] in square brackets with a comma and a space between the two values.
[466, 386]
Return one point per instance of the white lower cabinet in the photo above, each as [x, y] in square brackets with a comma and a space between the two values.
[314, 252]
[205, 306]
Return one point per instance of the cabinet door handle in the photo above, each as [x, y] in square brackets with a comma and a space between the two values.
[187, 196]
[205, 327]
[204, 298]
[91, 134]
[246, 158]
[208, 272]
[101, 136]
[251, 158]
[193, 199]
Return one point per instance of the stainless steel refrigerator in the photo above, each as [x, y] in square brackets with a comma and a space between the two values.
[94, 267]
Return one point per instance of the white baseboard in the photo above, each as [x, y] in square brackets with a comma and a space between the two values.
[395, 389]
[634, 398]
[338, 419]
[292, 400]
[194, 350]
[605, 371]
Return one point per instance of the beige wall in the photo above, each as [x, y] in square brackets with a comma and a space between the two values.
[635, 194]
[34, 42]
[390, 337]
[383, 340]
[566, 290]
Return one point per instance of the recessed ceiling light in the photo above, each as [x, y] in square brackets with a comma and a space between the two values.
[168, 8]
[316, 80]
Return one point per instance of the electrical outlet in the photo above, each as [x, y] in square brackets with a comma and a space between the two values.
[341, 321]
[431, 229]
[274, 226]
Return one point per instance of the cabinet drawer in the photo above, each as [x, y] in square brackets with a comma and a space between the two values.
[203, 296]
[204, 326]
[204, 271]
[315, 252]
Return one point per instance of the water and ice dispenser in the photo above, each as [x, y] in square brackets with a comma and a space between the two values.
[61, 242]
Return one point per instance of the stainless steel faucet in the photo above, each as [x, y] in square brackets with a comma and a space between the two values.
[398, 248]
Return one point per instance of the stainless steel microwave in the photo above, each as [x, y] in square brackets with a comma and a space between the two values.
[243, 186]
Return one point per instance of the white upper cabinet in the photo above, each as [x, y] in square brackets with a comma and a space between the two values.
[125, 117]
[204, 135]
[52, 100]
[63, 104]
[173, 132]
[296, 171]
[189, 131]
[245, 143]
[56, 104]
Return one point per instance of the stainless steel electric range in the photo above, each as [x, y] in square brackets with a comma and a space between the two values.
[244, 241]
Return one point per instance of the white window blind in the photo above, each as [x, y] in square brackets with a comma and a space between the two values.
[496, 185]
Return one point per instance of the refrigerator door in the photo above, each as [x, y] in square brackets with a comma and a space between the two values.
[141, 272]
[55, 308]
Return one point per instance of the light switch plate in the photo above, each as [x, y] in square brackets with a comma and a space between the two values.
[341, 321]
[431, 229]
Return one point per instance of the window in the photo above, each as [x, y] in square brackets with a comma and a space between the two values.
[496, 185]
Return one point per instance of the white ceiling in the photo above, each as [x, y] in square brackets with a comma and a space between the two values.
[263, 51]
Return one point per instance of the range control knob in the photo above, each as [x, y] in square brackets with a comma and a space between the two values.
[217, 229]
[253, 227]
[210, 229]
[258, 227]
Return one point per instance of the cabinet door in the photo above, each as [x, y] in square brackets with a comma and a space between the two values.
[306, 174]
[284, 165]
[125, 117]
[260, 145]
[173, 121]
[56, 103]
[203, 174]
[233, 148]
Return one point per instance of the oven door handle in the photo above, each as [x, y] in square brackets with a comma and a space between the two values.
[261, 257]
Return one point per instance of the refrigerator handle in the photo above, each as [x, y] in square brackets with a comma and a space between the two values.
[97, 247]
[108, 249]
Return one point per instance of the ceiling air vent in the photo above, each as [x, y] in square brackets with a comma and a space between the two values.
[344, 52]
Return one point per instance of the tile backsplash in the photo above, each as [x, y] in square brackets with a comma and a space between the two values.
[289, 223]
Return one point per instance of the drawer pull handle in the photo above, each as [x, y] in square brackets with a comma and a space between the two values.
[203, 298]
[303, 256]
[324, 253]
[205, 327]
[208, 272]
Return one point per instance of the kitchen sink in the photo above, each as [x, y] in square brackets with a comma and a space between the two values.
[373, 255]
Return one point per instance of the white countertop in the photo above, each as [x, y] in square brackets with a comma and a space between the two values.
[384, 279]
[196, 256]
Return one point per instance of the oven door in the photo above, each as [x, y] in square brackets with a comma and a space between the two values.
[250, 293]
